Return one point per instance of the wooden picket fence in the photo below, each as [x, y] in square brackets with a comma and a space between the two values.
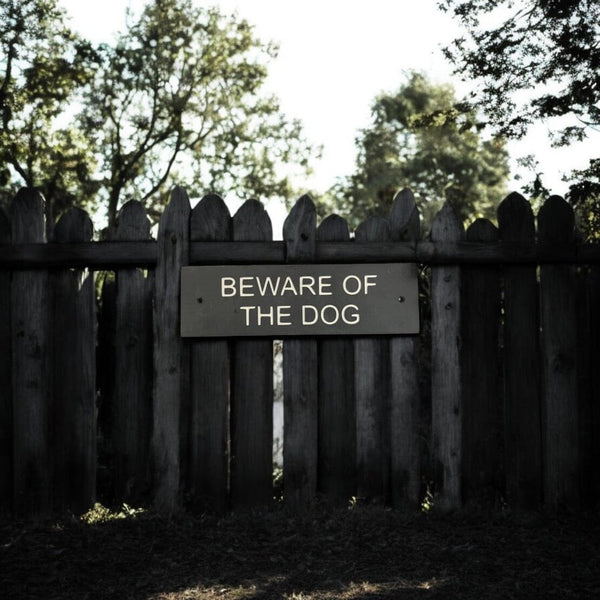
[496, 401]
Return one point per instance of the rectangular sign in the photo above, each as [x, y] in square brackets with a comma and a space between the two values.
[294, 300]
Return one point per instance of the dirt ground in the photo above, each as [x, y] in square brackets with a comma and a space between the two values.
[342, 554]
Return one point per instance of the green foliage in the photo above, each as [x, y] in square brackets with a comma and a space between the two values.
[540, 62]
[43, 65]
[177, 98]
[422, 138]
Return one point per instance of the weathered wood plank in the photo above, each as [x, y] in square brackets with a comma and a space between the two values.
[170, 357]
[372, 385]
[481, 387]
[113, 255]
[132, 414]
[336, 410]
[522, 402]
[73, 332]
[209, 434]
[300, 376]
[29, 333]
[6, 419]
[252, 393]
[587, 279]
[591, 421]
[560, 427]
[446, 394]
[405, 397]
[105, 381]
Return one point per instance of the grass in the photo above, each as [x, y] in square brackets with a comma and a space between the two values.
[335, 554]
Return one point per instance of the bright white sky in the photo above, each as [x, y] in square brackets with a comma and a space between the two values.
[335, 57]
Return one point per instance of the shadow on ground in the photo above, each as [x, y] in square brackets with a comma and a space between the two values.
[363, 553]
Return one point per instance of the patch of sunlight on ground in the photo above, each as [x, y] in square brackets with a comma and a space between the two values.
[358, 590]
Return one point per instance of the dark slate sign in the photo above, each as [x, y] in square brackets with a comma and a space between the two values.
[284, 300]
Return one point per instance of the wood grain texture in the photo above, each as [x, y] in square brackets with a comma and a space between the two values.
[588, 359]
[405, 396]
[522, 401]
[481, 385]
[446, 394]
[6, 418]
[300, 377]
[169, 437]
[73, 415]
[114, 254]
[132, 414]
[372, 388]
[209, 430]
[30, 345]
[560, 427]
[336, 410]
[252, 390]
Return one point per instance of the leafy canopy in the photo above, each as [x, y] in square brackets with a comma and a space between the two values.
[540, 60]
[421, 138]
[176, 98]
[43, 66]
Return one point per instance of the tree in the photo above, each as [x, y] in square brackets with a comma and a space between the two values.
[540, 62]
[419, 139]
[178, 97]
[43, 65]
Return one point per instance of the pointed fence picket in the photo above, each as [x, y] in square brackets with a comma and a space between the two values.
[209, 379]
[30, 372]
[300, 375]
[337, 410]
[481, 453]
[171, 368]
[372, 389]
[556, 226]
[252, 391]
[446, 380]
[510, 368]
[132, 393]
[521, 361]
[405, 395]
[73, 366]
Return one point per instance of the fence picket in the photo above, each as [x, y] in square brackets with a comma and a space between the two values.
[337, 410]
[372, 385]
[481, 398]
[29, 334]
[405, 395]
[587, 355]
[252, 390]
[522, 403]
[170, 356]
[589, 421]
[73, 341]
[559, 366]
[132, 396]
[6, 420]
[209, 461]
[300, 376]
[446, 394]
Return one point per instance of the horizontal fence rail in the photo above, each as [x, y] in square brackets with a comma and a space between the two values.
[495, 401]
[111, 255]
